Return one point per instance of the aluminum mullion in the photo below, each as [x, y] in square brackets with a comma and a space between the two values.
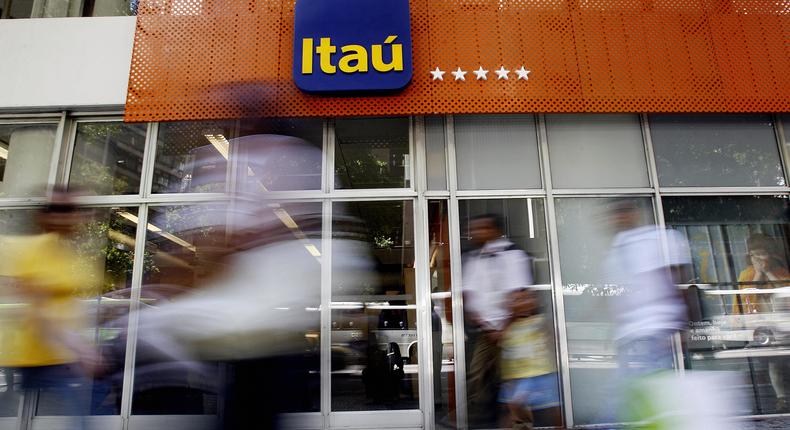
[149, 159]
[15, 118]
[437, 194]
[423, 287]
[27, 409]
[783, 150]
[157, 200]
[329, 174]
[459, 341]
[115, 113]
[27, 120]
[561, 342]
[325, 349]
[586, 192]
[21, 203]
[325, 156]
[717, 191]
[424, 326]
[413, 151]
[134, 306]
[54, 162]
[487, 194]
[68, 153]
[96, 117]
[372, 196]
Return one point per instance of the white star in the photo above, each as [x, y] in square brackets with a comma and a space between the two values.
[501, 73]
[437, 74]
[522, 73]
[459, 74]
[481, 74]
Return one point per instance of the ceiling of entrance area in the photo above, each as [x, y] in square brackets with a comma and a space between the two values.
[214, 59]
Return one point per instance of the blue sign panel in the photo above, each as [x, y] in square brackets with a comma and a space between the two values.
[352, 45]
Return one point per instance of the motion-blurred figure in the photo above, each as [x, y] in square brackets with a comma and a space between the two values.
[642, 261]
[766, 270]
[650, 310]
[46, 277]
[529, 372]
[259, 311]
[490, 274]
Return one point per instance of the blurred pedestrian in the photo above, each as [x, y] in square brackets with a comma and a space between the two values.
[257, 311]
[766, 270]
[649, 308]
[46, 343]
[529, 372]
[490, 274]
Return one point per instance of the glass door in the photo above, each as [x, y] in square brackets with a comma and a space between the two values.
[375, 370]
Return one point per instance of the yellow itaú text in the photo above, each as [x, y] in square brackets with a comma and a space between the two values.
[354, 58]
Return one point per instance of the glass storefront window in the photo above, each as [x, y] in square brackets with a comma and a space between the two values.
[237, 306]
[496, 152]
[192, 157]
[583, 147]
[716, 150]
[106, 242]
[586, 227]
[12, 223]
[279, 154]
[108, 158]
[436, 159]
[507, 310]
[62, 8]
[103, 251]
[374, 312]
[737, 294]
[372, 153]
[183, 247]
[25, 157]
[269, 155]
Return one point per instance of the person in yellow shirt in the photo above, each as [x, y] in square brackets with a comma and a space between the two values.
[529, 373]
[767, 270]
[42, 338]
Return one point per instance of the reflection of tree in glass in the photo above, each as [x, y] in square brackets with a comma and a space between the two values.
[365, 168]
[197, 222]
[95, 159]
[384, 222]
[716, 150]
[107, 243]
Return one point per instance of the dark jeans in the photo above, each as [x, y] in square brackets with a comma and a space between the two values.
[482, 383]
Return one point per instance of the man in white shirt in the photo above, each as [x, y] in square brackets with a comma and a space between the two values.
[490, 273]
[645, 261]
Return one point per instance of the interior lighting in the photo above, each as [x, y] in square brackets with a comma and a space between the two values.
[312, 250]
[286, 219]
[220, 143]
[157, 230]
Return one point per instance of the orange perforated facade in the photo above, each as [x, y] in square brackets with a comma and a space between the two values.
[198, 59]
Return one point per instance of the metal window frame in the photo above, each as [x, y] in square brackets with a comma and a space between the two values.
[418, 193]
[58, 120]
[558, 298]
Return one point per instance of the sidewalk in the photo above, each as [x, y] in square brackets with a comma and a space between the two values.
[782, 423]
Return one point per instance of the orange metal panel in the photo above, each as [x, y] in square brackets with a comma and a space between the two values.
[213, 59]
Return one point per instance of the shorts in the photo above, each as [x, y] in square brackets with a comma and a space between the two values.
[535, 393]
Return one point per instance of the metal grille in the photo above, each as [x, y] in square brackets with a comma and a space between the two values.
[212, 59]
